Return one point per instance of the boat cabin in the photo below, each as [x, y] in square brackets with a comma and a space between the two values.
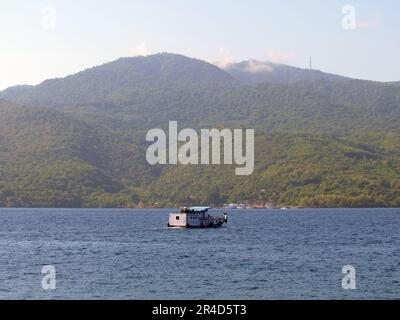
[196, 217]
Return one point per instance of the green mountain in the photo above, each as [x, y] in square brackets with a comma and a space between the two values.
[50, 159]
[121, 81]
[322, 139]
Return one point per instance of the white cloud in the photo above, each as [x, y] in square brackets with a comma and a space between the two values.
[279, 56]
[368, 24]
[254, 66]
[140, 50]
[224, 59]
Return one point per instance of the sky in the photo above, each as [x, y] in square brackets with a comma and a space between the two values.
[54, 38]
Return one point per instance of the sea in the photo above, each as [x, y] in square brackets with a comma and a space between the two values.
[259, 254]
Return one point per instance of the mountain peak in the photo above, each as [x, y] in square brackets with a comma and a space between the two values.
[123, 77]
[171, 67]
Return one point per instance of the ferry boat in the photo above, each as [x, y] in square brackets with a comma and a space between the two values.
[196, 217]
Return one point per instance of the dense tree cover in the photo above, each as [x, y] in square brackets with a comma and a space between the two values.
[322, 140]
[297, 170]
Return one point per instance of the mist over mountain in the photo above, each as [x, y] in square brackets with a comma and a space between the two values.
[322, 139]
[254, 71]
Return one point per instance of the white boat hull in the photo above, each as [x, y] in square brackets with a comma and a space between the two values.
[195, 220]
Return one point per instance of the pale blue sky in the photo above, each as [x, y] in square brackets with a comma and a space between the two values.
[92, 32]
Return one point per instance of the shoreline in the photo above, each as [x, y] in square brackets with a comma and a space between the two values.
[177, 208]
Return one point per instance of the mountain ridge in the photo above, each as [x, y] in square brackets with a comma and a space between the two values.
[255, 71]
[230, 68]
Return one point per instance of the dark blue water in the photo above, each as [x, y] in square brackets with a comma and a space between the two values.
[259, 254]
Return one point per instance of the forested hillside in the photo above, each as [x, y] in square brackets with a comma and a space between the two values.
[321, 139]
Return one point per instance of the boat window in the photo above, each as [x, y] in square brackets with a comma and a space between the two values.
[177, 217]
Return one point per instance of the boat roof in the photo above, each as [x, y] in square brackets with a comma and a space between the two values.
[199, 209]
